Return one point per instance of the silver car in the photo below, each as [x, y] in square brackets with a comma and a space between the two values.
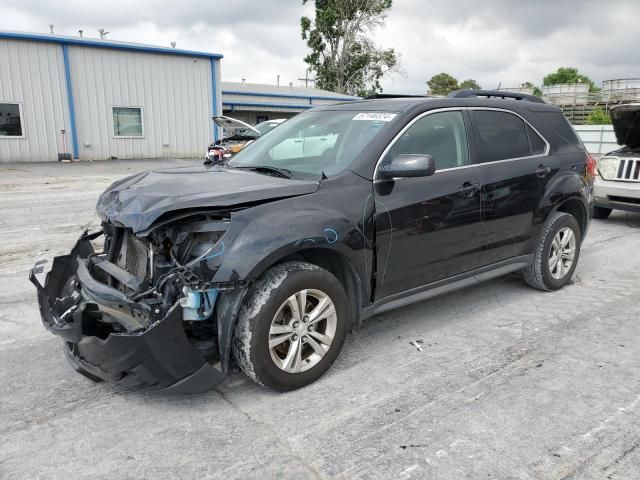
[617, 186]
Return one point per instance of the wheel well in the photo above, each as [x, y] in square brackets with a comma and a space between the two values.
[576, 208]
[339, 266]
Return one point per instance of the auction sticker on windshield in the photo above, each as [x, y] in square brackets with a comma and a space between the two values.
[380, 116]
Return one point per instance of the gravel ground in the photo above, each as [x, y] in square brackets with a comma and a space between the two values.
[511, 382]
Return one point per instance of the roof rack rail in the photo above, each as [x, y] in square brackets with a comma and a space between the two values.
[392, 95]
[495, 94]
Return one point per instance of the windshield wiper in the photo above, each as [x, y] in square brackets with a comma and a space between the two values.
[280, 172]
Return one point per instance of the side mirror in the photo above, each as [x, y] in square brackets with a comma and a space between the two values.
[408, 165]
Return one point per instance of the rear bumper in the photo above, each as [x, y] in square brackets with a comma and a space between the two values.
[617, 195]
[157, 357]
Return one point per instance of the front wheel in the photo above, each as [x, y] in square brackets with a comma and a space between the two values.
[292, 326]
[556, 254]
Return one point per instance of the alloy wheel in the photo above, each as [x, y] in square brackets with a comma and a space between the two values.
[563, 250]
[302, 330]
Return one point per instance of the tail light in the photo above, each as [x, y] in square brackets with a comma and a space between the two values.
[591, 166]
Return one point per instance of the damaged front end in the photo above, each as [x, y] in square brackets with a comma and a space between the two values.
[141, 310]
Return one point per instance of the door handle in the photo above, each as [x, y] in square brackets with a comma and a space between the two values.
[542, 171]
[299, 140]
[468, 189]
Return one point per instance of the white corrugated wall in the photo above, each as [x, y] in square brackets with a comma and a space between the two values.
[32, 74]
[597, 139]
[245, 102]
[174, 92]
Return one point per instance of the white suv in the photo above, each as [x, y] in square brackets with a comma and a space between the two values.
[617, 185]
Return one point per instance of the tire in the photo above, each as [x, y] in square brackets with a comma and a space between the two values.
[601, 212]
[267, 302]
[540, 274]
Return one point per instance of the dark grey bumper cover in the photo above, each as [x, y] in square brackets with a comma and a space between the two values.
[158, 358]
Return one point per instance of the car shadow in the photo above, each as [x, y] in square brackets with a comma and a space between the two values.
[619, 217]
[377, 331]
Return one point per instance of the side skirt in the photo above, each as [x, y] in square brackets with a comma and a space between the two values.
[448, 285]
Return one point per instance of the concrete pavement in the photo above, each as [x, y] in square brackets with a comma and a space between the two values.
[510, 383]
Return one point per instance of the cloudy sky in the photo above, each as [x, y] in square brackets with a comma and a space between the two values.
[493, 41]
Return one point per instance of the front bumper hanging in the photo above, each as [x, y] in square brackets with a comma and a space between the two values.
[157, 357]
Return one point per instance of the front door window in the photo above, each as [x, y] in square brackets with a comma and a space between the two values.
[441, 135]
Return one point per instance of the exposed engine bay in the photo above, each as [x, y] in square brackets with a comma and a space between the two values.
[165, 269]
[116, 287]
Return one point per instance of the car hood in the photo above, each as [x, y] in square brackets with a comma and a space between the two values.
[228, 122]
[139, 200]
[626, 124]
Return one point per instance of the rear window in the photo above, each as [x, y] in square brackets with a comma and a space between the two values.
[559, 123]
[501, 135]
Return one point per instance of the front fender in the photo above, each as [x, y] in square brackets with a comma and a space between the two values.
[335, 218]
[272, 236]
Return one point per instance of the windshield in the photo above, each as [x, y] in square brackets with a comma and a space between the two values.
[315, 142]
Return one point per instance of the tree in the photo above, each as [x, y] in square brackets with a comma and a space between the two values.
[442, 84]
[470, 84]
[536, 90]
[598, 117]
[343, 57]
[569, 75]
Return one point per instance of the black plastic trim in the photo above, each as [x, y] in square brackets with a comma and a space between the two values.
[447, 285]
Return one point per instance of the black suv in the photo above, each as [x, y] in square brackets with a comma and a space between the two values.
[341, 213]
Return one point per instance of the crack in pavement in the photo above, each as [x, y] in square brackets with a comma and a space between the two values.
[303, 461]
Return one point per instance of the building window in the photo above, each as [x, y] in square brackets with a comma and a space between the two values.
[11, 120]
[127, 122]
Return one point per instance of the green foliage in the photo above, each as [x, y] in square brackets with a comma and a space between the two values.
[569, 75]
[598, 117]
[536, 90]
[442, 84]
[470, 84]
[343, 57]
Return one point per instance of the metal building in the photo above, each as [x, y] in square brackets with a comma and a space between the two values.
[99, 99]
[253, 103]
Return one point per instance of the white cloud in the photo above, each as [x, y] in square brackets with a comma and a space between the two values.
[496, 41]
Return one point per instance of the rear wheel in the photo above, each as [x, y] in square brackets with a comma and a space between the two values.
[601, 212]
[292, 326]
[556, 254]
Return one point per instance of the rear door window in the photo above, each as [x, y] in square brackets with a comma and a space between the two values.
[538, 145]
[501, 135]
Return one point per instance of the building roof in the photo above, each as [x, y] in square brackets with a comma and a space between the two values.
[259, 89]
[98, 43]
